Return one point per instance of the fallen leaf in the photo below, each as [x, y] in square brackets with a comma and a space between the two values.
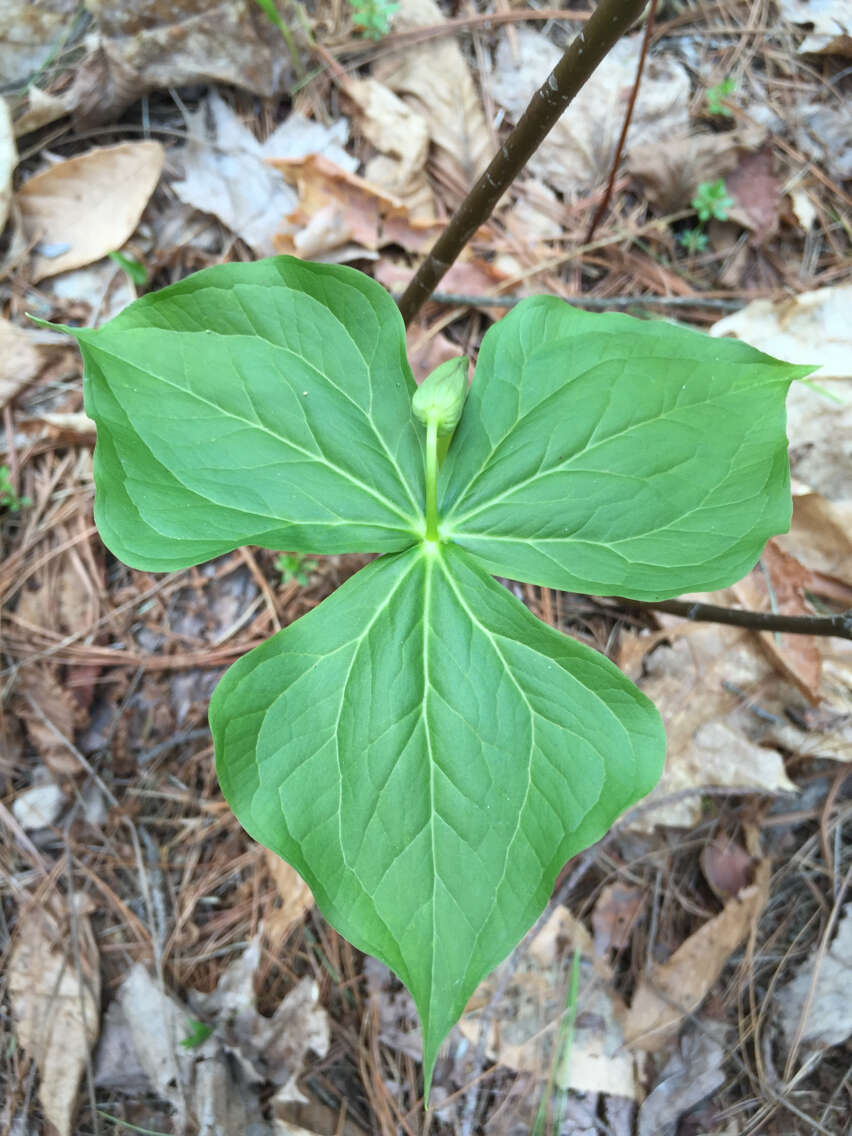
[691, 1074]
[617, 909]
[39, 689]
[226, 173]
[296, 901]
[24, 352]
[38, 806]
[579, 150]
[693, 681]
[778, 584]
[55, 1003]
[350, 209]
[399, 1026]
[142, 46]
[813, 327]
[8, 161]
[819, 426]
[676, 988]
[29, 35]
[829, 24]
[85, 207]
[727, 867]
[524, 1030]
[41, 108]
[102, 287]
[823, 132]
[434, 79]
[821, 535]
[821, 987]
[669, 174]
[402, 136]
[756, 193]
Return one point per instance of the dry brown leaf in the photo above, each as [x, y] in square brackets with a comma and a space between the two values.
[143, 45]
[401, 134]
[670, 173]
[829, 25]
[778, 584]
[579, 150]
[22, 356]
[55, 1004]
[676, 988]
[617, 909]
[821, 535]
[8, 161]
[525, 1026]
[351, 209]
[820, 431]
[296, 901]
[727, 867]
[823, 131]
[820, 991]
[756, 193]
[41, 108]
[813, 328]
[39, 684]
[435, 81]
[89, 205]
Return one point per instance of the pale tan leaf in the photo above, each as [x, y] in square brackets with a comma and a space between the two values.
[434, 79]
[670, 173]
[55, 1003]
[828, 22]
[89, 205]
[8, 161]
[676, 988]
[21, 359]
[821, 535]
[819, 993]
[48, 710]
[813, 327]
[41, 109]
[296, 901]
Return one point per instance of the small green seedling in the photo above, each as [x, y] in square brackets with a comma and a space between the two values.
[295, 566]
[373, 17]
[715, 95]
[693, 240]
[199, 1032]
[712, 201]
[9, 499]
[421, 748]
[136, 272]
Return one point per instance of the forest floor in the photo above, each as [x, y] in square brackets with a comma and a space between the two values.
[693, 973]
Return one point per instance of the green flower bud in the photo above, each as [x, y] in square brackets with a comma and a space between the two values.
[440, 397]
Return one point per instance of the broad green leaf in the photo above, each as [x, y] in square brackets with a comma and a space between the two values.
[264, 403]
[428, 754]
[603, 454]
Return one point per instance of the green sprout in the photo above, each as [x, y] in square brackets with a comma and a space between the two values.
[198, 1034]
[295, 566]
[9, 499]
[693, 240]
[712, 201]
[373, 17]
[715, 95]
[136, 272]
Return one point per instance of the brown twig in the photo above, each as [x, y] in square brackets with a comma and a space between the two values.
[610, 21]
[622, 138]
[593, 303]
[839, 625]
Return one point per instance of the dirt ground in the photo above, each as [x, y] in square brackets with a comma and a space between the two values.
[160, 972]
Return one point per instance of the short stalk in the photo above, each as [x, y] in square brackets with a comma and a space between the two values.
[432, 479]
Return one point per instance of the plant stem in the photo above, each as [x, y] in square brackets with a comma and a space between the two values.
[839, 625]
[609, 22]
[432, 480]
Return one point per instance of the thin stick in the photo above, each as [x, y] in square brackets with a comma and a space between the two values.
[839, 625]
[646, 40]
[594, 303]
[610, 21]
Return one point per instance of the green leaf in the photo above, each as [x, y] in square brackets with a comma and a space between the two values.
[603, 454]
[264, 403]
[428, 754]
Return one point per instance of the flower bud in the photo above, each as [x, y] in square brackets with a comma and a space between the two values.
[440, 397]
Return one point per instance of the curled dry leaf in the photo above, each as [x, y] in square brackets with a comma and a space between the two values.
[756, 193]
[49, 712]
[434, 79]
[821, 535]
[828, 22]
[579, 151]
[296, 901]
[676, 988]
[525, 1027]
[24, 351]
[55, 997]
[820, 990]
[727, 867]
[617, 909]
[812, 328]
[83, 208]
[144, 45]
[8, 161]
[778, 584]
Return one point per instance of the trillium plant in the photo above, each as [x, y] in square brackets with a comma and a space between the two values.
[421, 748]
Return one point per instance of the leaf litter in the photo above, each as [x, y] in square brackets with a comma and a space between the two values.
[755, 702]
